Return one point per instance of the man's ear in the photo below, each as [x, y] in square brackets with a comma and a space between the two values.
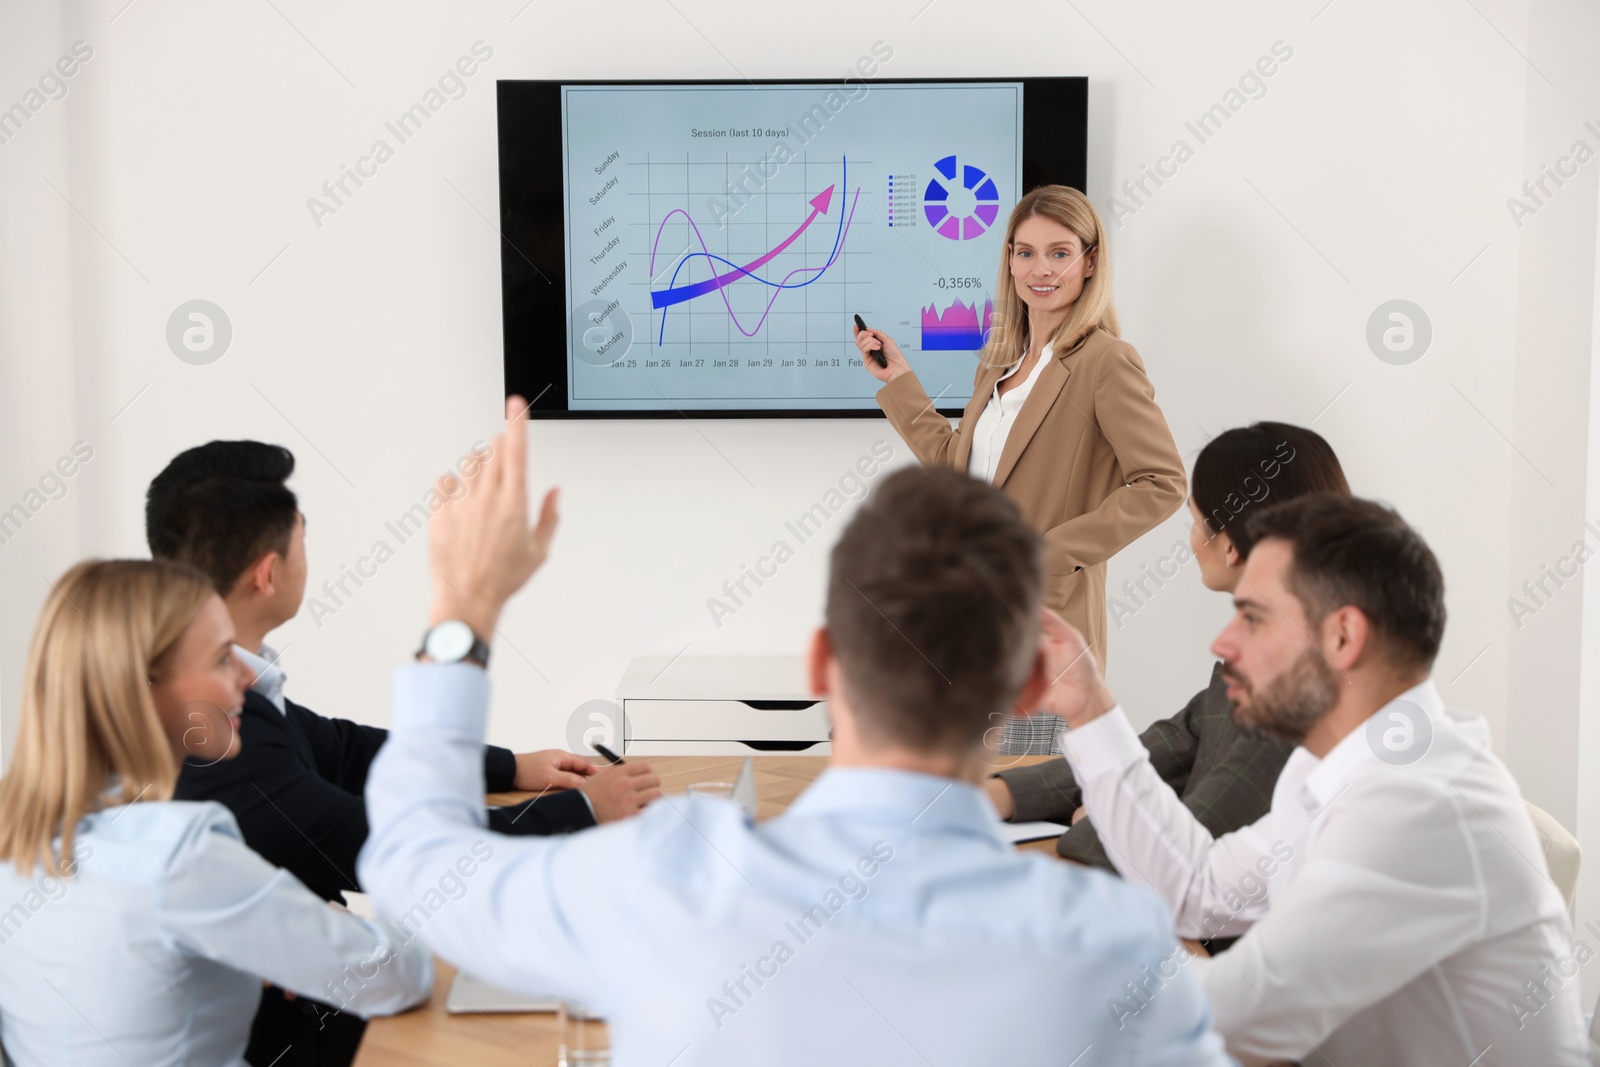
[261, 577]
[1347, 635]
[818, 656]
[1034, 689]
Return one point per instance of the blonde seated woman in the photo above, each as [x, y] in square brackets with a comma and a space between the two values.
[135, 929]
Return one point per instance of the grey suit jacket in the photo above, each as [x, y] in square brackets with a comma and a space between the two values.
[1224, 775]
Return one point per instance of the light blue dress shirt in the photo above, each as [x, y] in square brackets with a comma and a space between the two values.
[152, 953]
[882, 919]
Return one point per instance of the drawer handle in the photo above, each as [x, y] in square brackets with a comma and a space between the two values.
[781, 705]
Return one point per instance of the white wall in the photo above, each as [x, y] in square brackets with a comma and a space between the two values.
[1377, 166]
[39, 399]
[1587, 905]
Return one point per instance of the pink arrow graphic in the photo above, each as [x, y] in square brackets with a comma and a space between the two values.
[667, 297]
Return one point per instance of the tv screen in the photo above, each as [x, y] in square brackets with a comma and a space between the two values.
[702, 248]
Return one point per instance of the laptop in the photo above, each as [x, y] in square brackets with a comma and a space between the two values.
[469, 995]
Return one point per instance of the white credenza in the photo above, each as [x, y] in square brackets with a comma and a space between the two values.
[721, 705]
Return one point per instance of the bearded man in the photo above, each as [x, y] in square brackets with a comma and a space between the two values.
[1393, 906]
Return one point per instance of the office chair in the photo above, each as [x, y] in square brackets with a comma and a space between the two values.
[1562, 853]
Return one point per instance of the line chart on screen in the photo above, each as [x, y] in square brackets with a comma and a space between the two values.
[750, 285]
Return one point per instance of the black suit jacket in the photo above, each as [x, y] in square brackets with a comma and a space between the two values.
[296, 790]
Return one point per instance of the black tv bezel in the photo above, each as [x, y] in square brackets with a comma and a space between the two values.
[533, 283]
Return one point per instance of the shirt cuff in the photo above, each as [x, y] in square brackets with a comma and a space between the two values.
[449, 697]
[1102, 745]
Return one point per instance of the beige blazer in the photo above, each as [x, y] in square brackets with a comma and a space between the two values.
[1090, 462]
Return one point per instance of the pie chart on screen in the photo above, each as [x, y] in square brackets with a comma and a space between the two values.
[964, 204]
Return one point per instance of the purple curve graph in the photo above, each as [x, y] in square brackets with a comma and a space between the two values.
[665, 297]
[718, 283]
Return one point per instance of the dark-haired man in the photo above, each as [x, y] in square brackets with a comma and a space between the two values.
[1394, 903]
[882, 918]
[296, 786]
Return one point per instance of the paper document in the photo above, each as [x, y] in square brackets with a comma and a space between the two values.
[1018, 832]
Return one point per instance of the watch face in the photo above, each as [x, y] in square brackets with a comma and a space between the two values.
[449, 642]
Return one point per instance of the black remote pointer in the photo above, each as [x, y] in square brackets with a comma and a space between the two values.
[876, 355]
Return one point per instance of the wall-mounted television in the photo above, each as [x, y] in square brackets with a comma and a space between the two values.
[701, 248]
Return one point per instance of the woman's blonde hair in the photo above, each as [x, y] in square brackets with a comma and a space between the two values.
[1008, 336]
[91, 736]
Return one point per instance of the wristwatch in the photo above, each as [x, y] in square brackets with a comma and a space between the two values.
[453, 641]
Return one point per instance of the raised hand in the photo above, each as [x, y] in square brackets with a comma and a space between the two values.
[1076, 691]
[481, 549]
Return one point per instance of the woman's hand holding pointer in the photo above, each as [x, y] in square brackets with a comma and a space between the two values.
[870, 340]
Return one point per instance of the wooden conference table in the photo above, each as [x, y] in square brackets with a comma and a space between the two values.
[429, 1035]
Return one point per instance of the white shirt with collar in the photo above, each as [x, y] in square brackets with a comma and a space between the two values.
[270, 678]
[269, 673]
[1394, 912]
[999, 415]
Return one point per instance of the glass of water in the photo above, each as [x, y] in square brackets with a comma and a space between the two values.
[584, 1039]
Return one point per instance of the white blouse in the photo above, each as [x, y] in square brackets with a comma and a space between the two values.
[989, 436]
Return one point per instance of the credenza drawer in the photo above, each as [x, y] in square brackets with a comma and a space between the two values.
[726, 720]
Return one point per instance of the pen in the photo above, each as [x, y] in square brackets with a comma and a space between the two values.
[611, 757]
